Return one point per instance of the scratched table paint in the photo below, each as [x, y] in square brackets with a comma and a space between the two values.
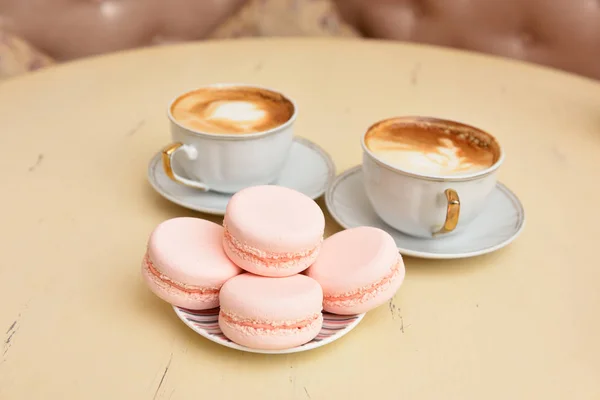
[77, 322]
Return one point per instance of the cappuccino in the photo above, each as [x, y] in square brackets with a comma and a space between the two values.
[231, 110]
[432, 147]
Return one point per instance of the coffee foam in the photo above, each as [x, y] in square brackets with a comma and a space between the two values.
[432, 147]
[232, 110]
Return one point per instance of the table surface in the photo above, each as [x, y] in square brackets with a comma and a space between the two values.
[77, 321]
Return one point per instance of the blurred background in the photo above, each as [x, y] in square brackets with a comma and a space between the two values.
[563, 34]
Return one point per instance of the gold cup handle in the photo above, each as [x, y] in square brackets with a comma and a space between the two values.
[167, 161]
[452, 212]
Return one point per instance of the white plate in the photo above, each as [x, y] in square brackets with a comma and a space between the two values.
[205, 323]
[309, 170]
[499, 223]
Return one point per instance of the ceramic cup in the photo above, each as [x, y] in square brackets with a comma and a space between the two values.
[423, 204]
[227, 163]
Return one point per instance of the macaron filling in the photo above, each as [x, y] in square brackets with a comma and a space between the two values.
[268, 259]
[364, 293]
[181, 286]
[254, 326]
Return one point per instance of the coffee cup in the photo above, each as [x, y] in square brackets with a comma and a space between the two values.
[226, 137]
[428, 177]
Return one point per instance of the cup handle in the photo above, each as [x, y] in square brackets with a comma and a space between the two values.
[167, 161]
[452, 212]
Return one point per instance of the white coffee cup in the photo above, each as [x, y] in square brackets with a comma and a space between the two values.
[422, 204]
[227, 162]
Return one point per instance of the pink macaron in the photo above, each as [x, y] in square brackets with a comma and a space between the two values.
[359, 269]
[271, 313]
[185, 264]
[272, 230]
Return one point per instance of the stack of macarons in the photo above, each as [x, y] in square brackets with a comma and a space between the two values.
[269, 269]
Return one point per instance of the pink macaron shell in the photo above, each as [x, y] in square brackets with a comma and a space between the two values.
[275, 340]
[274, 302]
[185, 264]
[273, 299]
[190, 251]
[275, 219]
[352, 261]
[176, 297]
[273, 228]
[368, 301]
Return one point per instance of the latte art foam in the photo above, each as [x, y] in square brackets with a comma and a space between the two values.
[232, 110]
[432, 148]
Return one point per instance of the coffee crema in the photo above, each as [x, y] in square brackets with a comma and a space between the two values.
[429, 146]
[232, 110]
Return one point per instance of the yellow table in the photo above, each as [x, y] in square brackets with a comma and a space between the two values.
[78, 323]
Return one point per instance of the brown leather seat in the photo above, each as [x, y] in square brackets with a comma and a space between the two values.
[559, 33]
[68, 29]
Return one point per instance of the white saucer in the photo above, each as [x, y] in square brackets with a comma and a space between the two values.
[498, 225]
[205, 323]
[309, 170]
